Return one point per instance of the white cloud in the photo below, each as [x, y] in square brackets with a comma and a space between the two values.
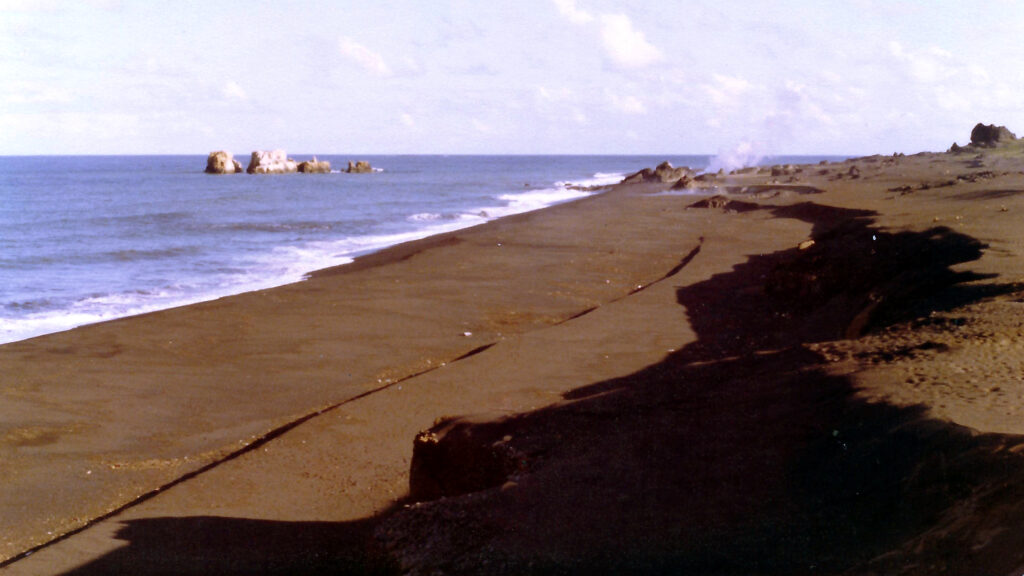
[407, 119]
[929, 65]
[569, 9]
[554, 94]
[627, 104]
[21, 92]
[933, 65]
[625, 45]
[726, 89]
[363, 57]
[232, 91]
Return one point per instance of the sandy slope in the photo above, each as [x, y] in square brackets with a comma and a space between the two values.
[754, 407]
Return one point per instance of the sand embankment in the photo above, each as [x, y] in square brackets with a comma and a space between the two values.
[681, 387]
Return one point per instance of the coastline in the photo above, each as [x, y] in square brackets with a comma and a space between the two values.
[528, 314]
[249, 236]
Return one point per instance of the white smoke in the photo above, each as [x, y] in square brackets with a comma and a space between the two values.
[743, 155]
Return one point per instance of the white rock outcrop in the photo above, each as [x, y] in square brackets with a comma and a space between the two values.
[271, 162]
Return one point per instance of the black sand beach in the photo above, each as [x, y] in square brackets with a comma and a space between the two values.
[817, 371]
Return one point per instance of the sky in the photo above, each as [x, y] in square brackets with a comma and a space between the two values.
[506, 77]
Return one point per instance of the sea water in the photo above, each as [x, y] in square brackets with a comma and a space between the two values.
[90, 238]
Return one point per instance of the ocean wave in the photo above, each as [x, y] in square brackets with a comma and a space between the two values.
[156, 218]
[132, 255]
[308, 226]
[448, 217]
[428, 217]
[597, 180]
[542, 198]
[30, 306]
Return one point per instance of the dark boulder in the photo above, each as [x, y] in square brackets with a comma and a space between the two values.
[990, 135]
[458, 456]
[684, 183]
[664, 173]
[315, 166]
[360, 167]
[645, 175]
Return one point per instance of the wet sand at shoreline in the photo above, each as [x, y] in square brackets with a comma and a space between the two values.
[684, 387]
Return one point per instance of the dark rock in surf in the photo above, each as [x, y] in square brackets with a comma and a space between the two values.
[315, 166]
[360, 167]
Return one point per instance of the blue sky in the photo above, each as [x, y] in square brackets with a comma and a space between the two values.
[498, 77]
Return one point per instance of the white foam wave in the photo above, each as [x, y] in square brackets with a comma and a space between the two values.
[598, 179]
[95, 309]
[536, 199]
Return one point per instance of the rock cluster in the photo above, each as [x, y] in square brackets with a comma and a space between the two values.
[275, 162]
[663, 173]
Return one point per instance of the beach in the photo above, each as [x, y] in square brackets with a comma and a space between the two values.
[812, 369]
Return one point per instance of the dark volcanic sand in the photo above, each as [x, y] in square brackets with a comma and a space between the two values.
[753, 408]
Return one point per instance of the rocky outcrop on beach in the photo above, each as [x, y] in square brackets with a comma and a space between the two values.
[360, 167]
[271, 162]
[664, 173]
[457, 457]
[315, 166]
[990, 135]
[222, 162]
[986, 136]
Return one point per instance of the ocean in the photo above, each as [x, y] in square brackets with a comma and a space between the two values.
[85, 239]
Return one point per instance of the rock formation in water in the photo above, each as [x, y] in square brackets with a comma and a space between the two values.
[222, 162]
[271, 162]
[360, 167]
[315, 166]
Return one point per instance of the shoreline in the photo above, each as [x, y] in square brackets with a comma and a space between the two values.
[144, 299]
[656, 309]
[93, 309]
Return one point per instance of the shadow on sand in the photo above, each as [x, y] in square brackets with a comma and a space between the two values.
[738, 454]
[236, 546]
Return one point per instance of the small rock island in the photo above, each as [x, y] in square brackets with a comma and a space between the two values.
[276, 162]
